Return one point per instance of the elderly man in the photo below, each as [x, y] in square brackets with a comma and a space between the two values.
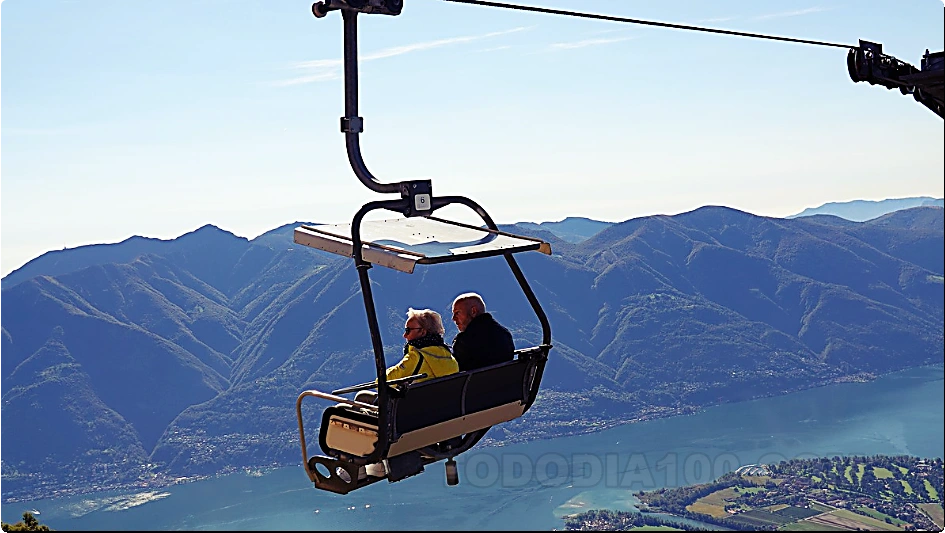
[481, 340]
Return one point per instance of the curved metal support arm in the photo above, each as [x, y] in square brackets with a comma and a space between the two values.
[351, 124]
[356, 242]
[542, 318]
[442, 201]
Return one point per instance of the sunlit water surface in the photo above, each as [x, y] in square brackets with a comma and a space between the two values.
[532, 485]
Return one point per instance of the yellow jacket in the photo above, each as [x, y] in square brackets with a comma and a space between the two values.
[437, 362]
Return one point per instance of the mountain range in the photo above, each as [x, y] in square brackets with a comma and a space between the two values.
[149, 360]
[863, 210]
[577, 229]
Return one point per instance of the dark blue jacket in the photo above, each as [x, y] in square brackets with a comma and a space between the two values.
[485, 342]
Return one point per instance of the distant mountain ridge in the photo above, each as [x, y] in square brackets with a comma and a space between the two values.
[58, 262]
[186, 359]
[571, 229]
[863, 210]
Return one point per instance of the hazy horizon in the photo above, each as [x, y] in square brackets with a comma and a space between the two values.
[156, 119]
[251, 237]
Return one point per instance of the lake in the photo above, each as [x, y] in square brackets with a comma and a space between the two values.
[531, 485]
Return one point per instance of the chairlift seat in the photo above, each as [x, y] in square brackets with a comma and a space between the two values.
[401, 244]
[437, 410]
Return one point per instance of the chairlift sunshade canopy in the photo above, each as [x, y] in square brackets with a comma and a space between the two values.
[401, 244]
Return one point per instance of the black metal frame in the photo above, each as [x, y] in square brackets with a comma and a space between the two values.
[412, 192]
[383, 389]
[868, 63]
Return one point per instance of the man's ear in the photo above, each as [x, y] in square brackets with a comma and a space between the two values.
[473, 312]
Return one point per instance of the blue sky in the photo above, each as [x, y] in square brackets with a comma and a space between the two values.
[155, 118]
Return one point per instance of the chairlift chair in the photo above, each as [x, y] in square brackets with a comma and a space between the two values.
[412, 423]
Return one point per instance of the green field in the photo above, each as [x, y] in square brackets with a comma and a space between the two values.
[714, 504]
[807, 526]
[860, 469]
[903, 469]
[761, 480]
[846, 474]
[796, 513]
[933, 494]
[757, 518]
[881, 473]
[871, 524]
[880, 516]
[935, 512]
[654, 528]
[711, 510]
[906, 486]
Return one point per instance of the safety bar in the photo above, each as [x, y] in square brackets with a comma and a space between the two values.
[324, 396]
[373, 384]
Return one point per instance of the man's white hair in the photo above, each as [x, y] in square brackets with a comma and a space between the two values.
[471, 301]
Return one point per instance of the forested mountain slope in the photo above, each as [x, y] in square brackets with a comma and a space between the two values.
[186, 358]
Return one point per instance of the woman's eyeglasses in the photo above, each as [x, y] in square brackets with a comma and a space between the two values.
[408, 329]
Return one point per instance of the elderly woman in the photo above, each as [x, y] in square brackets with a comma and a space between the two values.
[425, 352]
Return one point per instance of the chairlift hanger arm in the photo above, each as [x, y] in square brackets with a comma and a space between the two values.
[351, 124]
[418, 192]
[416, 200]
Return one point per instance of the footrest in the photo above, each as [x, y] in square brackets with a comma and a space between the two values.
[340, 477]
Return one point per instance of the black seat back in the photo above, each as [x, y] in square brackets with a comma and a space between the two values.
[497, 385]
[431, 402]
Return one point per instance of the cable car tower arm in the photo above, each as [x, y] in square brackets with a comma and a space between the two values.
[868, 63]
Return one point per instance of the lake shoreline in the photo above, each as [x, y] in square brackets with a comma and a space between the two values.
[509, 487]
[164, 481]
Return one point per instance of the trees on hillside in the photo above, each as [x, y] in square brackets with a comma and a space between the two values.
[29, 523]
